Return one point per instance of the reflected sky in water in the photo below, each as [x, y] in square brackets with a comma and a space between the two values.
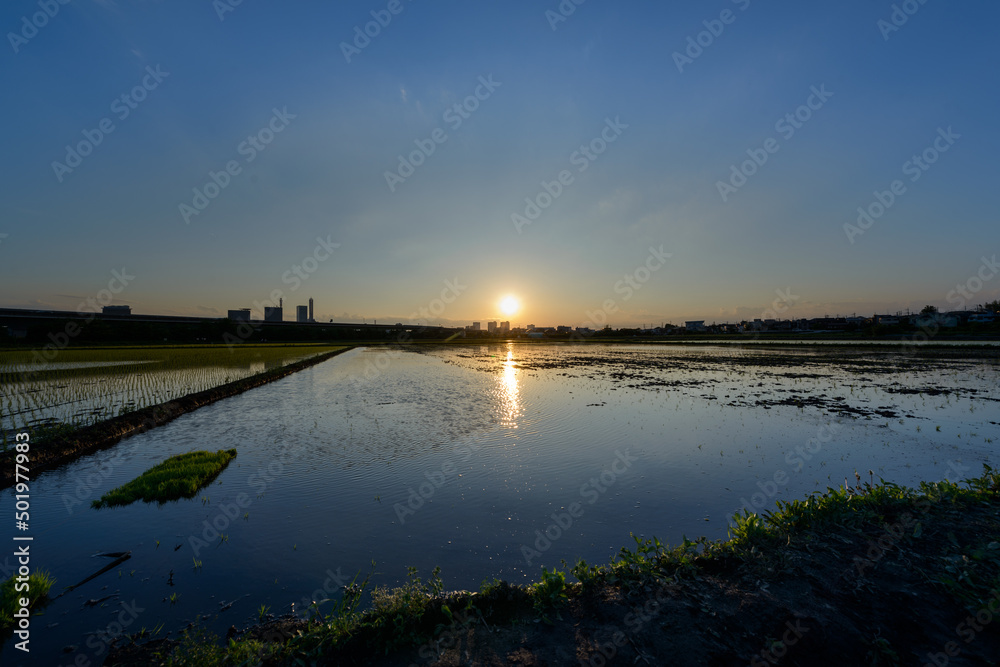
[460, 457]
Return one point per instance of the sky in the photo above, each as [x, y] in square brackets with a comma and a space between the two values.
[622, 163]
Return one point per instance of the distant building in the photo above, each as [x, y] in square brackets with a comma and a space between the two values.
[240, 314]
[505, 327]
[530, 327]
[311, 316]
[476, 327]
[273, 314]
[301, 313]
[491, 327]
[116, 310]
[695, 325]
[935, 320]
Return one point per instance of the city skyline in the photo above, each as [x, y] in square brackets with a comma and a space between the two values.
[400, 162]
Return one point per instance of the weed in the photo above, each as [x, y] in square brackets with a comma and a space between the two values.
[549, 593]
[39, 583]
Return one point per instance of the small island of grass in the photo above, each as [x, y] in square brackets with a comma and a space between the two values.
[178, 477]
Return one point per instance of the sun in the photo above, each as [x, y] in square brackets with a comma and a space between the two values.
[509, 305]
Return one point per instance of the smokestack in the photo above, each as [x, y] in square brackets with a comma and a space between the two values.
[311, 310]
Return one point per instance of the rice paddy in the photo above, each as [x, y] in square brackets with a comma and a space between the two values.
[470, 458]
[83, 386]
[178, 477]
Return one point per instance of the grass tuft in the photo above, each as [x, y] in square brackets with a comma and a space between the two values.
[178, 477]
[39, 584]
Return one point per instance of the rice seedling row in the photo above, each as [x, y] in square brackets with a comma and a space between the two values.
[87, 385]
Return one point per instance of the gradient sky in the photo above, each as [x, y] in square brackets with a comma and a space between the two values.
[323, 175]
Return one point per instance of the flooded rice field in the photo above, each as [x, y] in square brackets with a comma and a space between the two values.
[488, 461]
[88, 385]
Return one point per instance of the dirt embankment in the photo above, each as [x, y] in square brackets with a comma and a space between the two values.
[877, 578]
[57, 451]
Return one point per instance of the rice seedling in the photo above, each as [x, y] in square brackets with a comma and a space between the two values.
[85, 385]
[178, 477]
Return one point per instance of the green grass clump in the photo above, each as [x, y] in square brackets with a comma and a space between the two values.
[39, 584]
[549, 593]
[178, 477]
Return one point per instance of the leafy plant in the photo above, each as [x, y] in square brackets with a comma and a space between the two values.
[549, 592]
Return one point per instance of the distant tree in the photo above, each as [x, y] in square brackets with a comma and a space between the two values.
[991, 306]
[929, 310]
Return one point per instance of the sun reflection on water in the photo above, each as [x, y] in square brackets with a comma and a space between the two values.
[509, 402]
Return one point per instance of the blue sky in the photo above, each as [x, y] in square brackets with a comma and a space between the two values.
[226, 76]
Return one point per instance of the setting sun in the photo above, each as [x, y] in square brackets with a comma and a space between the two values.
[509, 305]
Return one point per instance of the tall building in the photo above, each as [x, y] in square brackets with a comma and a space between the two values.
[505, 327]
[311, 316]
[301, 313]
[475, 326]
[272, 314]
[491, 327]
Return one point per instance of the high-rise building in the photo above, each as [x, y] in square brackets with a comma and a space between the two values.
[475, 326]
[505, 327]
[301, 313]
[311, 316]
[491, 327]
[272, 314]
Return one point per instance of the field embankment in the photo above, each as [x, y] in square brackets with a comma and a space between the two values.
[869, 575]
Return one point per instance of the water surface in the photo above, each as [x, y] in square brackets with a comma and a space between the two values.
[489, 461]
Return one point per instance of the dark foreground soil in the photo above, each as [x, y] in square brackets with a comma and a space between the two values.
[56, 451]
[916, 582]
